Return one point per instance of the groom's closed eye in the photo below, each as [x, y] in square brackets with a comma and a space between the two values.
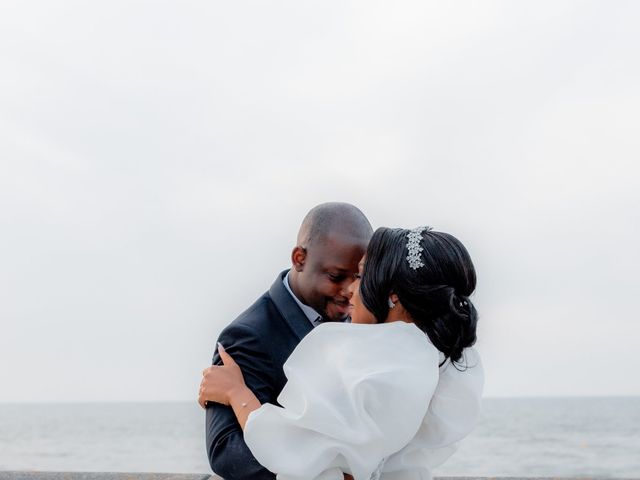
[337, 277]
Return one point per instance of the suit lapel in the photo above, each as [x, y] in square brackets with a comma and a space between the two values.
[288, 308]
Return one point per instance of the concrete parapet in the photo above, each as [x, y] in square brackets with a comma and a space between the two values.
[26, 475]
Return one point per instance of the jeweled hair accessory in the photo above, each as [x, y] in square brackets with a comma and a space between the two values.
[414, 248]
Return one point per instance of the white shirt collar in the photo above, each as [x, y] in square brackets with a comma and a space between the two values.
[310, 313]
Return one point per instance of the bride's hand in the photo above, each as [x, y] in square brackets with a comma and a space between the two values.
[218, 382]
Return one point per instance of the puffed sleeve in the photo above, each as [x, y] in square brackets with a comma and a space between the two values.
[355, 394]
[452, 414]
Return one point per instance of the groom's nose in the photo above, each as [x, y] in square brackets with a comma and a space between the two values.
[346, 288]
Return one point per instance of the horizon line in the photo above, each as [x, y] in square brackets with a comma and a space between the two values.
[156, 402]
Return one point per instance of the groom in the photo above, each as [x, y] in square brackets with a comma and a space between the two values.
[332, 239]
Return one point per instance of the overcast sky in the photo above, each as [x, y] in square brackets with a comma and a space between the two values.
[156, 159]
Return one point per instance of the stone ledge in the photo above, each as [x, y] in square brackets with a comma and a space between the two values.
[29, 475]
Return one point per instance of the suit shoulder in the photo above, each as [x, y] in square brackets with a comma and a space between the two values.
[250, 332]
[254, 319]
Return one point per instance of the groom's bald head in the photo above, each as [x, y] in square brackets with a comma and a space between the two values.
[332, 239]
[333, 218]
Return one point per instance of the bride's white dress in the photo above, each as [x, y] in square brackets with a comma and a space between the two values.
[369, 400]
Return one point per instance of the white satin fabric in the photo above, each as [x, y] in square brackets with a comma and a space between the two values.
[369, 400]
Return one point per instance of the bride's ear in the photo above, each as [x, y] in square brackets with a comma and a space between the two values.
[393, 297]
[298, 257]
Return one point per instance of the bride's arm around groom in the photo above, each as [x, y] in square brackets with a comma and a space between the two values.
[260, 340]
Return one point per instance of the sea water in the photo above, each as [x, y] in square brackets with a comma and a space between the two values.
[514, 437]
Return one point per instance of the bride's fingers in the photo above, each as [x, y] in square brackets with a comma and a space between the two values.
[203, 394]
[201, 399]
[226, 358]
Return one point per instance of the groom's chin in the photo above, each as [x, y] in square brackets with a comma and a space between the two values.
[336, 312]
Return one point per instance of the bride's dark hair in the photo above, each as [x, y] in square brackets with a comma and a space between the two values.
[436, 294]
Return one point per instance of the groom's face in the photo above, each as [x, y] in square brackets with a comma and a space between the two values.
[326, 270]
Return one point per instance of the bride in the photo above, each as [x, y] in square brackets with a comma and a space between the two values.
[386, 396]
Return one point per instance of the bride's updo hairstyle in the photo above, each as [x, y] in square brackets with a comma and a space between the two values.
[432, 284]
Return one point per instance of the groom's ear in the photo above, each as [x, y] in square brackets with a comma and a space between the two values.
[298, 257]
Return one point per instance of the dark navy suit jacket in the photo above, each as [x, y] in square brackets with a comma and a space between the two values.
[260, 340]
